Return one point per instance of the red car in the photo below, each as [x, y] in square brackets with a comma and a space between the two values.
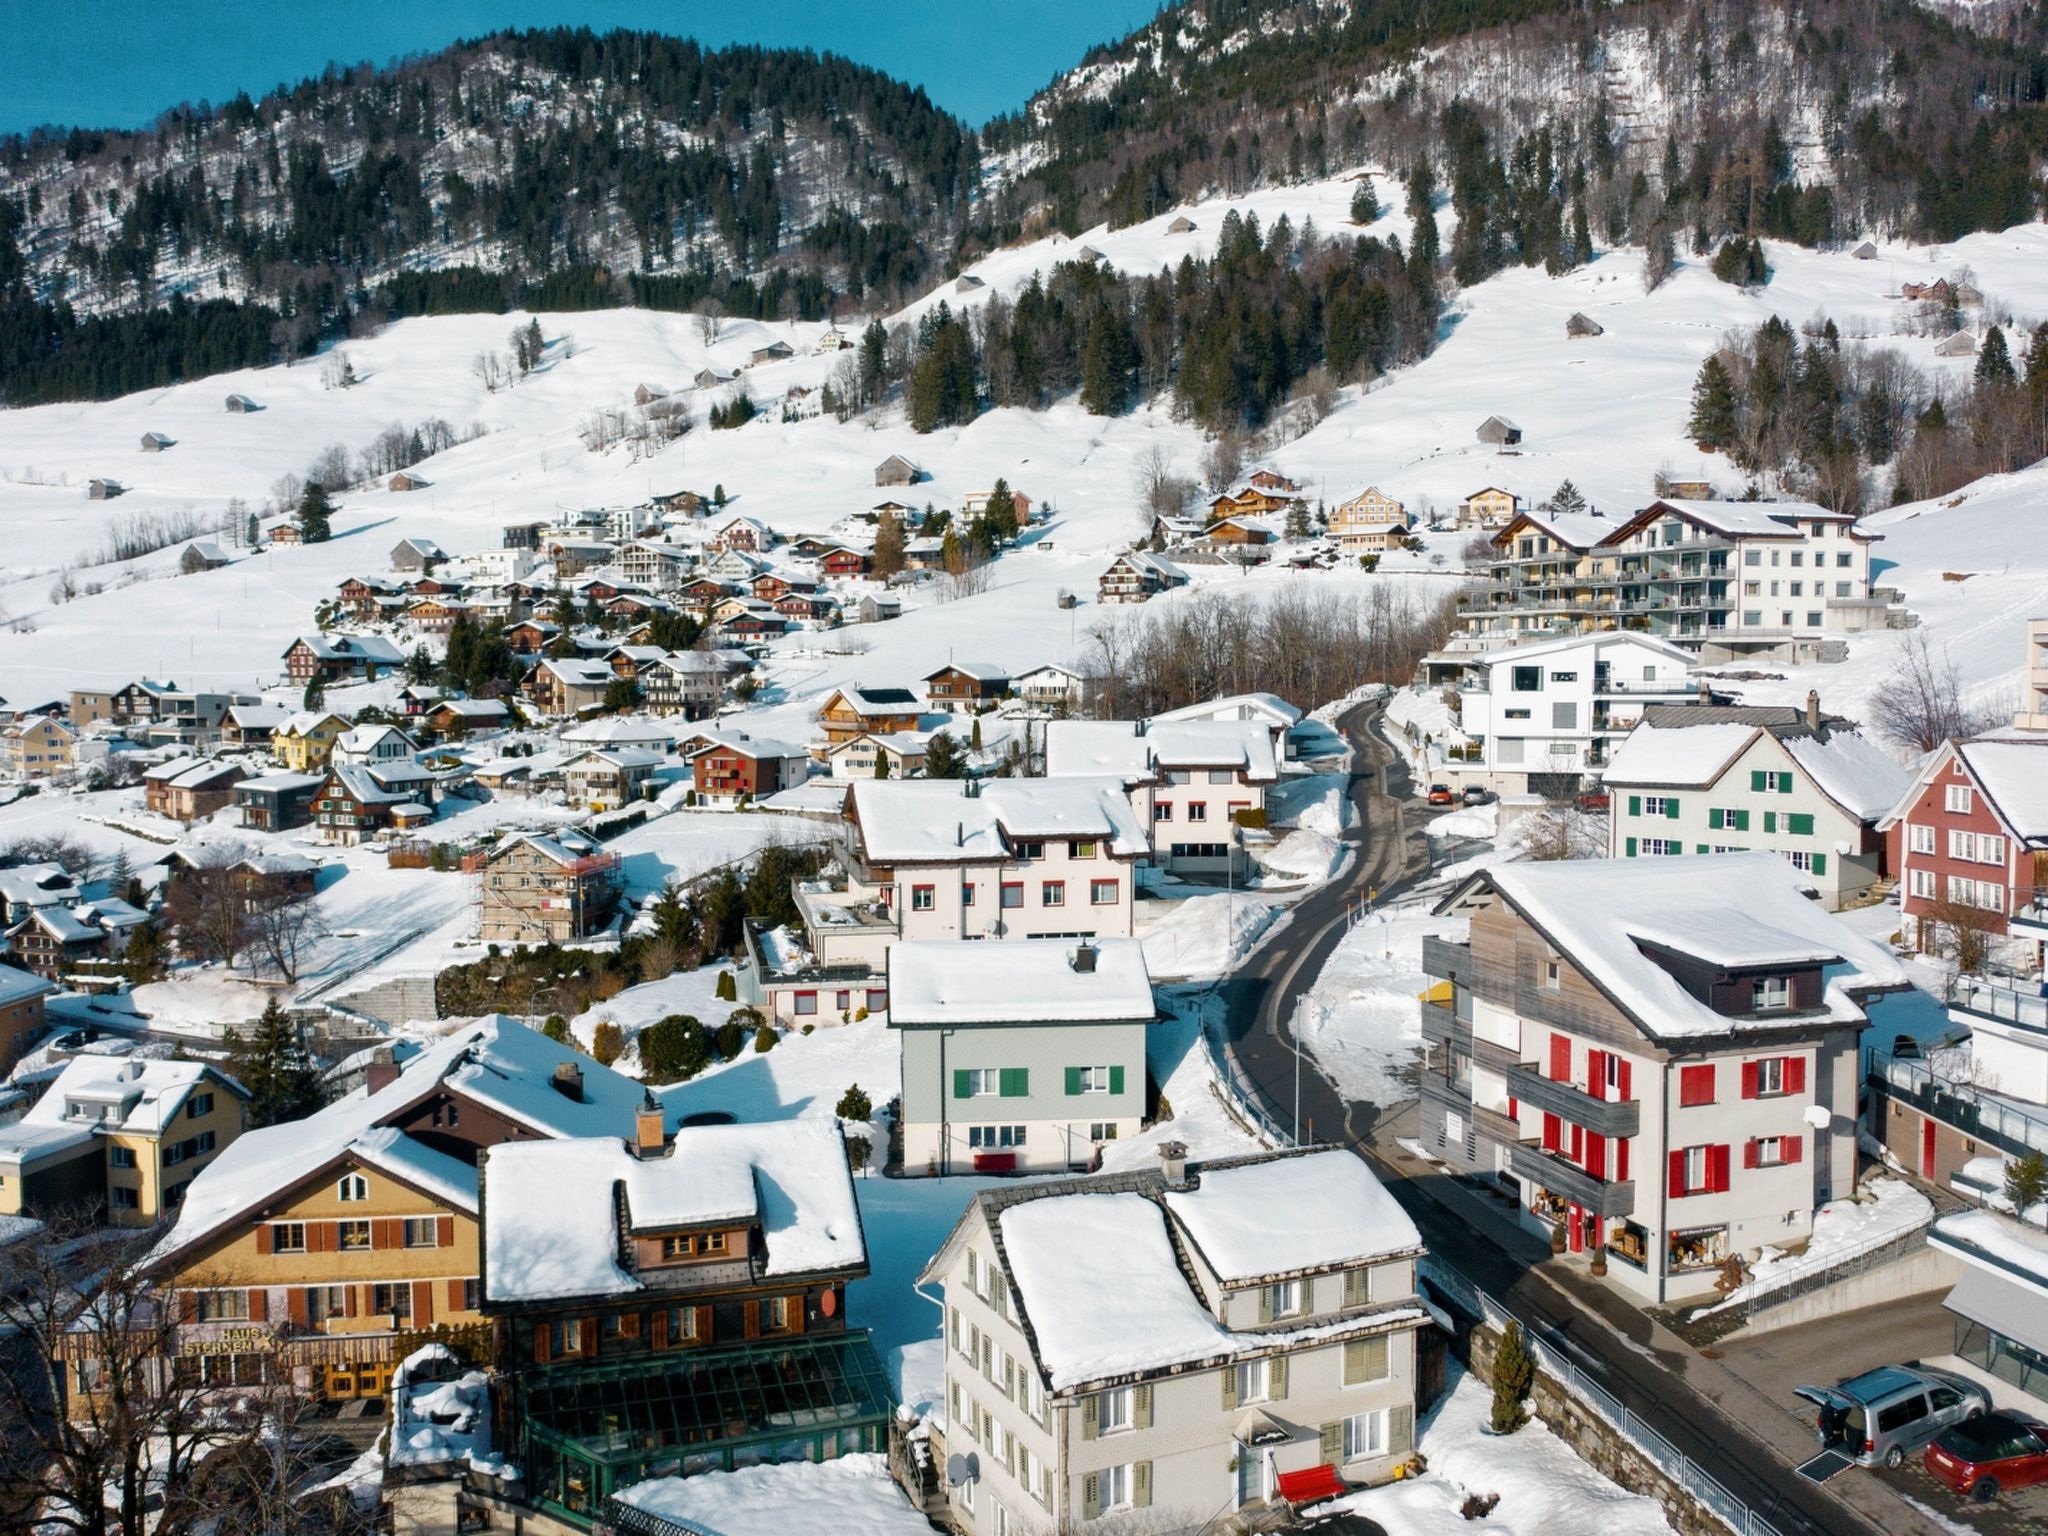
[1982, 1455]
[1591, 800]
[1440, 794]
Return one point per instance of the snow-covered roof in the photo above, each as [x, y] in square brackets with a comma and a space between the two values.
[620, 731]
[256, 717]
[495, 1062]
[351, 648]
[1749, 519]
[471, 709]
[366, 738]
[1731, 909]
[1684, 756]
[1269, 707]
[939, 821]
[580, 674]
[1851, 770]
[759, 748]
[1592, 643]
[131, 1094]
[1096, 747]
[556, 1235]
[975, 671]
[1575, 530]
[1131, 751]
[2015, 776]
[1997, 1243]
[1027, 981]
[620, 757]
[1281, 1216]
[18, 986]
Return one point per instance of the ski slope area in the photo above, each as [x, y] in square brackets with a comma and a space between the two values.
[1606, 412]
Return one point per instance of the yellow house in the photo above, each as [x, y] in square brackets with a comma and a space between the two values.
[1371, 522]
[121, 1133]
[35, 747]
[1490, 508]
[336, 1242]
[305, 742]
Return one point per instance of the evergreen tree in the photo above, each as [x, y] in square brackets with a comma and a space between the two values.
[316, 514]
[1994, 361]
[2037, 363]
[1106, 361]
[942, 759]
[1514, 1372]
[1712, 423]
[1297, 519]
[1365, 202]
[881, 764]
[1582, 236]
[2026, 1182]
[316, 692]
[254, 533]
[283, 1082]
[1566, 499]
[1001, 512]
[888, 557]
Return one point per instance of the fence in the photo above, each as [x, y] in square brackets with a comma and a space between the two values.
[1550, 1351]
[621, 1519]
[1237, 1089]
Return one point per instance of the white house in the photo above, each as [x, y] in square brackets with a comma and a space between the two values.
[1163, 1346]
[1658, 1059]
[1279, 716]
[1052, 687]
[1018, 1056]
[371, 745]
[1715, 778]
[1194, 783]
[1538, 717]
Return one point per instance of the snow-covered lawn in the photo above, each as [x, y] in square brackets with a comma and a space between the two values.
[827, 1498]
[1197, 931]
[1362, 1021]
[1544, 1488]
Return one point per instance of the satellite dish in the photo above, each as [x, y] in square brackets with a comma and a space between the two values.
[1819, 1116]
[962, 1469]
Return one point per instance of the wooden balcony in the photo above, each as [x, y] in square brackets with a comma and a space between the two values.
[1598, 1196]
[1605, 1117]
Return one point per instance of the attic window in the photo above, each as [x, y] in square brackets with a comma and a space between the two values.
[1768, 992]
[353, 1187]
[678, 1248]
[1553, 973]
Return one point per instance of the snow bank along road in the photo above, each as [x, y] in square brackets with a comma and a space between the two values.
[1613, 1345]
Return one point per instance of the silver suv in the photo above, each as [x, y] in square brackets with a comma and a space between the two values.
[1887, 1414]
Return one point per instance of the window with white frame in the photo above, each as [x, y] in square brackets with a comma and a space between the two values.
[1919, 838]
[353, 1187]
[1092, 1079]
[1252, 1379]
[1284, 1299]
[1770, 992]
[1802, 859]
[1770, 1075]
[980, 1083]
[1365, 1434]
[1990, 848]
[1958, 798]
[1921, 883]
[1695, 1168]
[1658, 846]
[989, 1138]
[1770, 1151]
[1118, 1486]
[1113, 1410]
[1656, 805]
[1962, 845]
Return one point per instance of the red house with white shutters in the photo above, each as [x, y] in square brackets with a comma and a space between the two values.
[1972, 833]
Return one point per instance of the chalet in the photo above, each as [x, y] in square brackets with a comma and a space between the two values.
[373, 746]
[187, 788]
[1250, 502]
[304, 742]
[156, 442]
[629, 661]
[529, 637]
[286, 532]
[1488, 508]
[102, 489]
[924, 554]
[753, 621]
[682, 503]
[1136, 576]
[1241, 533]
[1052, 687]
[770, 585]
[605, 778]
[732, 766]
[621, 731]
[902, 751]
[434, 615]
[813, 608]
[897, 470]
[241, 405]
[277, 802]
[567, 687]
[366, 597]
[251, 725]
[1272, 480]
[1940, 291]
[976, 504]
[1968, 841]
[735, 567]
[456, 718]
[843, 562]
[421, 555]
[714, 1326]
[57, 943]
[647, 394]
[689, 683]
[27, 888]
[1499, 432]
[1371, 522]
[965, 687]
[857, 710]
[406, 480]
[545, 889]
[37, 747]
[743, 533]
[353, 805]
[1170, 529]
[334, 657]
[831, 341]
[636, 606]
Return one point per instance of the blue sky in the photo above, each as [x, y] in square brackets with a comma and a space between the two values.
[118, 63]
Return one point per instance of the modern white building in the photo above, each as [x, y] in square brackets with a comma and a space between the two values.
[1168, 1345]
[1659, 1059]
[1025, 1056]
[1541, 718]
[1711, 778]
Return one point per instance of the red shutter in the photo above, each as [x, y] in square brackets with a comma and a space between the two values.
[295, 1306]
[1560, 1058]
[348, 1305]
[1793, 1147]
[1596, 1074]
[1596, 1155]
[1717, 1168]
[1795, 1074]
[1578, 1144]
[1676, 1178]
[263, 1237]
[444, 1231]
[422, 1303]
[542, 1344]
[1514, 1108]
[1752, 1153]
[259, 1305]
[455, 1296]
[1749, 1079]
[1627, 1090]
[586, 1331]
[1552, 1132]
[1621, 1161]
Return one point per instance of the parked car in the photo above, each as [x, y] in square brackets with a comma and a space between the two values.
[1982, 1455]
[1591, 800]
[1440, 794]
[1474, 795]
[1886, 1414]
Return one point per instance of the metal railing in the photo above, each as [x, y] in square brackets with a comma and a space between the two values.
[1548, 1346]
[1240, 1092]
[1973, 994]
[2009, 1127]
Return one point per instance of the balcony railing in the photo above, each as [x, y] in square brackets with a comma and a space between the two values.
[2006, 1126]
[1989, 1000]
[1598, 1196]
[1604, 1117]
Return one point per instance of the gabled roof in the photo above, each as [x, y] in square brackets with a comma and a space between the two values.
[1690, 745]
[134, 1095]
[556, 1235]
[1589, 642]
[758, 748]
[349, 648]
[875, 701]
[974, 671]
[940, 821]
[1027, 981]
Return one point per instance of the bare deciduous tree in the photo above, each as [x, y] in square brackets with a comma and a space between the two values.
[1920, 704]
[1556, 834]
[1963, 934]
[207, 911]
[282, 922]
[710, 320]
[1224, 460]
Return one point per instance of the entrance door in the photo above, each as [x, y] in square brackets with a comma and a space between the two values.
[1248, 1477]
[1927, 1149]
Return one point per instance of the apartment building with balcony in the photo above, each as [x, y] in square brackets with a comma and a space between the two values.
[1733, 580]
[1197, 784]
[1969, 843]
[331, 1243]
[1958, 1116]
[671, 1301]
[1718, 778]
[1542, 717]
[1164, 1346]
[1659, 1060]
[1028, 1056]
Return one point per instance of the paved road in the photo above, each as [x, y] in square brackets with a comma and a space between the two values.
[1621, 1348]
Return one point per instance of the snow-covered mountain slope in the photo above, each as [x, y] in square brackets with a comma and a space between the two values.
[1606, 412]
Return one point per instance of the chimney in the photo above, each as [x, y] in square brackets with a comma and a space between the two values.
[1812, 710]
[1084, 959]
[383, 1070]
[648, 1140]
[1173, 1162]
[569, 1080]
[1706, 693]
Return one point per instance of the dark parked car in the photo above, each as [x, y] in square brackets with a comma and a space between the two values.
[1983, 1455]
[1440, 794]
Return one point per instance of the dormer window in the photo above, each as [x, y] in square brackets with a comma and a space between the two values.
[674, 1248]
[1767, 993]
[711, 1242]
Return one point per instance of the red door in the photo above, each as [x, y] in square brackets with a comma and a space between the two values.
[1927, 1149]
